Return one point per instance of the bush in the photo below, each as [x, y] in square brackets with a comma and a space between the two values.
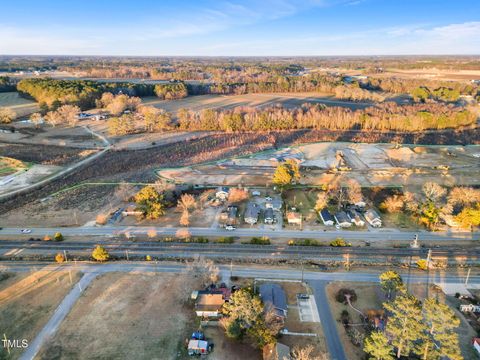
[422, 264]
[59, 258]
[339, 242]
[225, 240]
[58, 236]
[148, 258]
[200, 240]
[100, 253]
[260, 241]
[342, 293]
[101, 219]
[47, 238]
[305, 242]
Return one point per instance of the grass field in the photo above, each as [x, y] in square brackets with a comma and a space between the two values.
[27, 301]
[21, 106]
[126, 316]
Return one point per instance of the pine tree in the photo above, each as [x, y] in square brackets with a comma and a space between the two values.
[404, 324]
[390, 281]
[376, 345]
[439, 339]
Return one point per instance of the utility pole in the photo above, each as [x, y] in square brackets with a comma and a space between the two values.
[231, 269]
[468, 276]
[429, 258]
[126, 252]
[303, 269]
[65, 255]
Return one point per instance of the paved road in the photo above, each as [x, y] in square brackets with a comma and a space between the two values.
[330, 332]
[317, 280]
[113, 231]
[58, 316]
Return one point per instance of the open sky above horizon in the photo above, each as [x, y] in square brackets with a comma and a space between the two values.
[240, 28]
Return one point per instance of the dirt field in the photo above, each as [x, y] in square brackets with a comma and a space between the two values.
[126, 316]
[200, 102]
[71, 137]
[43, 154]
[28, 300]
[21, 106]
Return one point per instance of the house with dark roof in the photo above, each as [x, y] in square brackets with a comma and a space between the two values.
[355, 218]
[274, 297]
[251, 213]
[269, 217]
[342, 219]
[326, 217]
[373, 218]
[276, 351]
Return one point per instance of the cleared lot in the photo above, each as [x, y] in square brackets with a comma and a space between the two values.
[126, 316]
[28, 300]
[21, 106]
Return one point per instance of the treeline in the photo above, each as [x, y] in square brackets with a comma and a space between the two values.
[385, 117]
[408, 86]
[6, 84]
[51, 93]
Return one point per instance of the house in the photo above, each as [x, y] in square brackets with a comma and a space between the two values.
[342, 219]
[269, 217]
[277, 351]
[275, 204]
[209, 304]
[232, 215]
[251, 213]
[273, 297]
[373, 218]
[131, 210]
[470, 308]
[355, 218]
[476, 344]
[197, 347]
[222, 193]
[326, 217]
[294, 218]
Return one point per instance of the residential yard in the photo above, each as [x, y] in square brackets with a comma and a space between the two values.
[371, 297]
[231, 349]
[126, 316]
[28, 300]
[304, 201]
[293, 323]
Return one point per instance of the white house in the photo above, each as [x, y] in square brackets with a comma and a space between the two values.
[342, 219]
[470, 308]
[222, 193]
[373, 218]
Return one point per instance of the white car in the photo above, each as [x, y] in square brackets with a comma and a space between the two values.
[230, 227]
[26, 231]
[268, 198]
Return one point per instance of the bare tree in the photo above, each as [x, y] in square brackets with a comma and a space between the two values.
[185, 218]
[322, 201]
[354, 191]
[433, 191]
[305, 353]
[203, 270]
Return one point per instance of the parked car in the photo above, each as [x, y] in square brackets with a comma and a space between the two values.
[268, 198]
[26, 231]
[230, 227]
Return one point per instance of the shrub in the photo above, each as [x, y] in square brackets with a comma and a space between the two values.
[58, 236]
[100, 253]
[59, 258]
[101, 219]
[304, 242]
[343, 292]
[260, 241]
[339, 242]
[225, 240]
[47, 238]
[148, 258]
[422, 264]
[200, 240]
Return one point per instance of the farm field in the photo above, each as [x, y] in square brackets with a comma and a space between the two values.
[21, 106]
[126, 316]
[200, 102]
[28, 300]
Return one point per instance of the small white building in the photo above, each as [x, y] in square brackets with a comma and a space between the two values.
[470, 308]
[222, 193]
[373, 218]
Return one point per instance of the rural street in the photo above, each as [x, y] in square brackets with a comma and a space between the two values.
[112, 231]
[317, 280]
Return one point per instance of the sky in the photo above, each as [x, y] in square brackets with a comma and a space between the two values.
[239, 28]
